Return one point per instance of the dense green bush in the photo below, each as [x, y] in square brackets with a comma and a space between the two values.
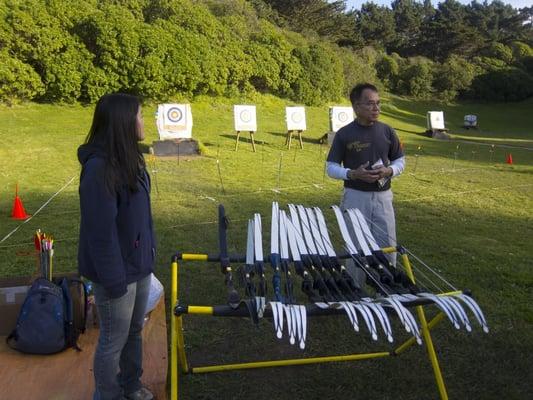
[520, 50]
[359, 66]
[322, 75]
[527, 65]
[387, 70]
[499, 51]
[416, 77]
[484, 64]
[509, 84]
[452, 77]
[39, 40]
[18, 81]
[67, 50]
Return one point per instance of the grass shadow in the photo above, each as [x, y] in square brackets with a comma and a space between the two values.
[305, 139]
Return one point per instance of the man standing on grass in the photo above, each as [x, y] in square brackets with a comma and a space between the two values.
[370, 154]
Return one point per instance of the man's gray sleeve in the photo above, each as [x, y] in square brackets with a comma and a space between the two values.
[336, 171]
[397, 166]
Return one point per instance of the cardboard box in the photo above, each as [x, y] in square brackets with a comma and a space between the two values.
[12, 294]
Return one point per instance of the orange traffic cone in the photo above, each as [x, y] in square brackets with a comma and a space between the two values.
[18, 209]
[509, 159]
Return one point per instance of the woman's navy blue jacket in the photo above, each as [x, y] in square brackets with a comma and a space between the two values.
[117, 241]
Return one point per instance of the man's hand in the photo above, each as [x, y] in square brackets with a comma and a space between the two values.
[383, 172]
[363, 174]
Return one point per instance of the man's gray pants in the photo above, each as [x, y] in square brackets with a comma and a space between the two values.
[379, 213]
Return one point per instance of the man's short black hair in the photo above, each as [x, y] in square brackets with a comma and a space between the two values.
[357, 91]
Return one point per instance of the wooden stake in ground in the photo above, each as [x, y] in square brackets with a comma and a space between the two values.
[455, 154]
[279, 171]
[416, 159]
[220, 177]
[325, 154]
[153, 170]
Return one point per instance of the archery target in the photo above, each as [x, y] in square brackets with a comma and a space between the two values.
[470, 120]
[435, 120]
[174, 115]
[339, 117]
[174, 121]
[245, 118]
[295, 118]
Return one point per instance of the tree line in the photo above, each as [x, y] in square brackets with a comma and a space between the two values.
[479, 50]
[309, 51]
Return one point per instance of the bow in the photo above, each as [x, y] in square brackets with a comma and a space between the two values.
[404, 315]
[277, 305]
[259, 265]
[233, 296]
[296, 314]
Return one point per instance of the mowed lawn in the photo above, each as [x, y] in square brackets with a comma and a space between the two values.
[460, 208]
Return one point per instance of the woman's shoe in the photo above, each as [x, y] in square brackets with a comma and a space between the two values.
[141, 394]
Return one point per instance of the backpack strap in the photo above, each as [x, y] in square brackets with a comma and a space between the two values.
[12, 335]
[70, 333]
[84, 293]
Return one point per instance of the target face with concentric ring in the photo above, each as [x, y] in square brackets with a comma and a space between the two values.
[296, 117]
[174, 114]
[245, 116]
[342, 117]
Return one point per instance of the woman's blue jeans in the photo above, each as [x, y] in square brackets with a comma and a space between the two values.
[118, 356]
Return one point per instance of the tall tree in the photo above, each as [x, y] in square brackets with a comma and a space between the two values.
[327, 19]
[449, 32]
[408, 19]
[498, 22]
[375, 24]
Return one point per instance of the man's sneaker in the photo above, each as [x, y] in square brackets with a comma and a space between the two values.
[141, 394]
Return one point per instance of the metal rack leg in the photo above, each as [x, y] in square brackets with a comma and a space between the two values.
[427, 336]
[173, 334]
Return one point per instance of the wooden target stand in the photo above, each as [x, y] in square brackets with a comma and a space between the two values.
[178, 359]
[288, 139]
[251, 138]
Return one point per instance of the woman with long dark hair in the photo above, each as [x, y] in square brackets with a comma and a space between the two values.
[117, 245]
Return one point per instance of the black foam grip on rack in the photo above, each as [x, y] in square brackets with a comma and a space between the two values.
[312, 310]
[223, 244]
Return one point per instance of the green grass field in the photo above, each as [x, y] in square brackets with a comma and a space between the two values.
[459, 207]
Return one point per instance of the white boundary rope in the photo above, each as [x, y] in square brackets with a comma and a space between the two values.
[38, 211]
[460, 193]
[203, 197]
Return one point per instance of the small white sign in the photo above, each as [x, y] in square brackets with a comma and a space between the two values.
[245, 119]
[174, 121]
[435, 120]
[339, 117]
[295, 118]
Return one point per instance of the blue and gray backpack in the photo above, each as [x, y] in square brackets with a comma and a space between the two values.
[47, 322]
